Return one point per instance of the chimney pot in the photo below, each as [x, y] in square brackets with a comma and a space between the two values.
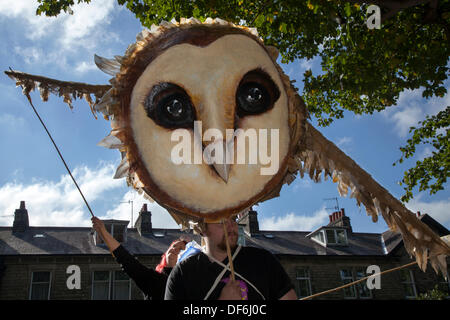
[338, 219]
[21, 222]
[251, 222]
[143, 223]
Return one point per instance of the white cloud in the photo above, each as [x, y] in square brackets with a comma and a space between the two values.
[59, 39]
[439, 209]
[58, 203]
[14, 8]
[292, 221]
[412, 108]
[345, 143]
[160, 217]
[25, 12]
[406, 118]
[84, 66]
[85, 27]
[426, 152]
[30, 55]
[51, 203]
[307, 64]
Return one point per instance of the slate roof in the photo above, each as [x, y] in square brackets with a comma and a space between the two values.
[296, 243]
[80, 241]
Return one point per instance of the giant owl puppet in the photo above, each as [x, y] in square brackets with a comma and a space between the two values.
[220, 75]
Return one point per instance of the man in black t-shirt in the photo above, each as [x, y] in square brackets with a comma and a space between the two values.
[206, 275]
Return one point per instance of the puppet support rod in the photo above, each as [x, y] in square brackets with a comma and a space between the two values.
[358, 281]
[230, 258]
[59, 153]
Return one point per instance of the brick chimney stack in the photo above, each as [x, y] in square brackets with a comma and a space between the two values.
[339, 219]
[250, 222]
[20, 223]
[143, 223]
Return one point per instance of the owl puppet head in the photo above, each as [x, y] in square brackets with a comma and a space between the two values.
[203, 114]
[208, 125]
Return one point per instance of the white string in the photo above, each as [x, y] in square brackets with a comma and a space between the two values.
[227, 267]
[219, 277]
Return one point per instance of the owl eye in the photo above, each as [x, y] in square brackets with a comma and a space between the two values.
[170, 106]
[256, 93]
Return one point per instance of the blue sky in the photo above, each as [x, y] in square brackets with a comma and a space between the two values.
[64, 48]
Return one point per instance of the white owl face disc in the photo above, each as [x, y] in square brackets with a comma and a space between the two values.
[229, 86]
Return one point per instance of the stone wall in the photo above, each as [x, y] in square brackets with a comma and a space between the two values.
[324, 274]
[16, 280]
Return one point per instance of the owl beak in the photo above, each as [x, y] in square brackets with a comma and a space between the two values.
[222, 170]
[222, 166]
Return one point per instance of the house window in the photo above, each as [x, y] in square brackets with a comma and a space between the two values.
[319, 237]
[100, 285]
[117, 230]
[331, 237]
[409, 286]
[110, 285]
[121, 286]
[341, 237]
[303, 282]
[347, 277]
[363, 291]
[40, 285]
[336, 236]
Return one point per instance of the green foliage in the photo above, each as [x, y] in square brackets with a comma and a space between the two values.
[433, 294]
[434, 131]
[54, 7]
[363, 70]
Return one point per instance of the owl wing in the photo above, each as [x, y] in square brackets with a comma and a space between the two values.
[313, 154]
[66, 89]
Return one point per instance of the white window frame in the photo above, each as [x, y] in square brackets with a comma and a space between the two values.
[49, 283]
[308, 278]
[412, 283]
[111, 280]
[336, 237]
[317, 240]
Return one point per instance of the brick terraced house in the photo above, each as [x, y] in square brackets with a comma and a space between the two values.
[38, 262]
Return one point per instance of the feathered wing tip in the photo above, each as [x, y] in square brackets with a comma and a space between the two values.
[318, 155]
[68, 90]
